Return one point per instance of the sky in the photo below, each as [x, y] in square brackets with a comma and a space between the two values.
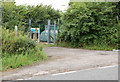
[56, 4]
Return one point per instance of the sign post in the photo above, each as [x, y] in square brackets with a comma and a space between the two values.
[39, 34]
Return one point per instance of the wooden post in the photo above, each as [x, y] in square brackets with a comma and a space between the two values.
[54, 30]
[16, 30]
[48, 31]
[39, 34]
[58, 33]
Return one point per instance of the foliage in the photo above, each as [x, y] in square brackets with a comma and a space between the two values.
[90, 23]
[19, 50]
[16, 60]
[16, 44]
[13, 15]
[90, 47]
[20, 15]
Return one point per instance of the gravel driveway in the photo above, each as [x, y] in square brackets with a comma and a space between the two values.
[63, 60]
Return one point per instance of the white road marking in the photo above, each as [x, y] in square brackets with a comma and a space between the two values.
[86, 69]
[65, 73]
[107, 67]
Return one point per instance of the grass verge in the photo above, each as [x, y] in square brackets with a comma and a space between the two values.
[90, 47]
[44, 44]
[16, 61]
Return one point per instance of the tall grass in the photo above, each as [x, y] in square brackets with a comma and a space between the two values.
[18, 60]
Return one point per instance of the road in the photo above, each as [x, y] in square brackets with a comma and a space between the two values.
[63, 60]
[104, 73]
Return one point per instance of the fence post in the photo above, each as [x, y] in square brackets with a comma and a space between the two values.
[39, 34]
[54, 30]
[58, 33]
[48, 31]
[30, 28]
[16, 30]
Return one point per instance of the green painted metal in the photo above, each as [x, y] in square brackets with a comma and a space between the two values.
[44, 34]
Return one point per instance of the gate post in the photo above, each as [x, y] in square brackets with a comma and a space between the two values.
[48, 31]
[58, 33]
[30, 28]
[54, 30]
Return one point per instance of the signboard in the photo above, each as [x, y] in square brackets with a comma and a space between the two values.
[35, 30]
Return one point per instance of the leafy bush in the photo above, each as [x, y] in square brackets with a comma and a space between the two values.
[19, 50]
[90, 23]
[16, 44]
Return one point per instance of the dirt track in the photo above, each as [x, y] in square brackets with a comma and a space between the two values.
[62, 60]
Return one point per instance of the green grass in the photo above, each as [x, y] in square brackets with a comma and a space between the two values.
[18, 60]
[100, 47]
[46, 45]
[90, 47]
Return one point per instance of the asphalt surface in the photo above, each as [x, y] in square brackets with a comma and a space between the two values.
[63, 60]
[105, 73]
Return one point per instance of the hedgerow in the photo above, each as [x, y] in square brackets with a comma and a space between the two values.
[91, 23]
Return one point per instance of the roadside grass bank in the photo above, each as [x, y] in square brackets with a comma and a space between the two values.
[19, 60]
[18, 51]
[90, 47]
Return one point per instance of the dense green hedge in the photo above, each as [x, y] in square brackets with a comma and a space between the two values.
[91, 23]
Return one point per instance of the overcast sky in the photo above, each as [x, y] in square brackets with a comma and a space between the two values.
[56, 4]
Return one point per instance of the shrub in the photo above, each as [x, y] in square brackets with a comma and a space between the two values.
[16, 44]
[19, 50]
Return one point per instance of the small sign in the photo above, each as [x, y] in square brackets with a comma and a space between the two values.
[35, 30]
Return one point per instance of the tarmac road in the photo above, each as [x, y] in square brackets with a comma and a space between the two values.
[104, 73]
[63, 60]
